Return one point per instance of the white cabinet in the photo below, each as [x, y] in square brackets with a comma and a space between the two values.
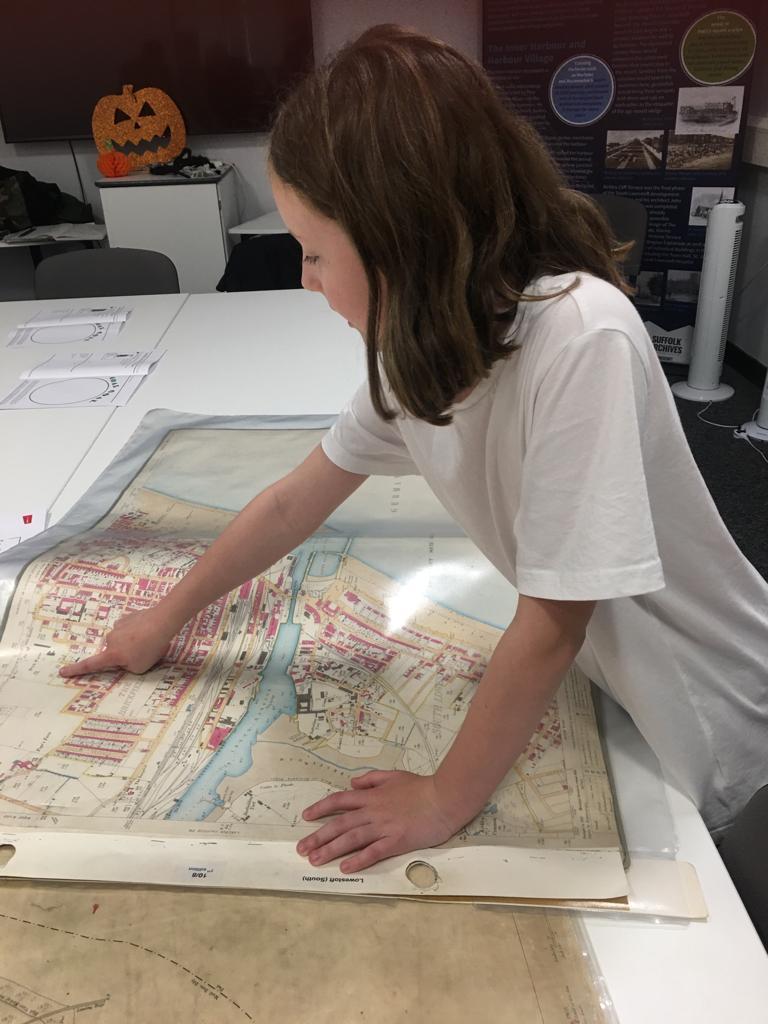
[186, 219]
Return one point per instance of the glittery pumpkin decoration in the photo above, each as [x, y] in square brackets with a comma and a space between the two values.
[113, 164]
[145, 126]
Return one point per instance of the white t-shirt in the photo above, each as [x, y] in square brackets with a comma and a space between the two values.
[569, 469]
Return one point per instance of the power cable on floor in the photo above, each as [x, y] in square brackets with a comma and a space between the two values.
[738, 433]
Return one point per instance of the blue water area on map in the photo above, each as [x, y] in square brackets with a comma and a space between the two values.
[276, 695]
[453, 586]
[325, 563]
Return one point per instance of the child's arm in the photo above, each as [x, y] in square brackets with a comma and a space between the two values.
[390, 813]
[270, 526]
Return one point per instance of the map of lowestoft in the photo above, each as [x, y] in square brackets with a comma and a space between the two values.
[337, 660]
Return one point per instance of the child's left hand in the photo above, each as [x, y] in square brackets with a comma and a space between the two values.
[384, 814]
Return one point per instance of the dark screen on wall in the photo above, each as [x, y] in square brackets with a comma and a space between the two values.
[223, 62]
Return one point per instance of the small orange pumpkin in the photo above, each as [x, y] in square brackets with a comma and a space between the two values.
[113, 164]
[145, 126]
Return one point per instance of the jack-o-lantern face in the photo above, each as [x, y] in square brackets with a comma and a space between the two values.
[146, 126]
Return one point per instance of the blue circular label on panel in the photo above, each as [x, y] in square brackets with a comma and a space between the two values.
[582, 90]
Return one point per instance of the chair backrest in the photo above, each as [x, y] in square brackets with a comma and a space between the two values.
[105, 272]
[629, 222]
[263, 263]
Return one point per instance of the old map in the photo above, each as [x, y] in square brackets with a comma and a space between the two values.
[353, 652]
[80, 954]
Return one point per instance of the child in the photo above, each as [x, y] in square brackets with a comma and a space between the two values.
[507, 367]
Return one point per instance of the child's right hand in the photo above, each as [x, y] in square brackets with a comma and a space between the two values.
[137, 642]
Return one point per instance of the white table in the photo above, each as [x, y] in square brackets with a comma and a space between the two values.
[89, 232]
[225, 353]
[270, 223]
[285, 352]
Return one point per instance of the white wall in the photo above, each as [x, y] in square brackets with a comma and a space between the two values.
[334, 23]
[458, 22]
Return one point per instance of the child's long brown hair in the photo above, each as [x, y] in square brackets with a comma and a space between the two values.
[450, 199]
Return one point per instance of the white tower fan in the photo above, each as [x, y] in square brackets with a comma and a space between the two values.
[758, 427]
[713, 310]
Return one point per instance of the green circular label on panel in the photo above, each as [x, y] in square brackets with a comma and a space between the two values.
[718, 48]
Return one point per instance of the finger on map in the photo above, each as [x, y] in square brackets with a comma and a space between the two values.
[368, 779]
[80, 668]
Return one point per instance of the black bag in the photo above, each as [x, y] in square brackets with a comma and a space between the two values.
[13, 209]
[43, 201]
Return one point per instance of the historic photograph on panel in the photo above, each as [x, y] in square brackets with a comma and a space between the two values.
[702, 201]
[650, 287]
[705, 152]
[640, 150]
[683, 285]
[709, 110]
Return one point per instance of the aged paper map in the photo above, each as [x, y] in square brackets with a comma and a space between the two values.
[94, 955]
[353, 652]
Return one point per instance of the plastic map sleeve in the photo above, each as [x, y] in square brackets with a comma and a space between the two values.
[359, 650]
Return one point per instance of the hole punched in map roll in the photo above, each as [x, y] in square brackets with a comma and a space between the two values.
[421, 874]
[6, 853]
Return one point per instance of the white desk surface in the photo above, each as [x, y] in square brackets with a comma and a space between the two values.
[267, 224]
[285, 352]
[703, 972]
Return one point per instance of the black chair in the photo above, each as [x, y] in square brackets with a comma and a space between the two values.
[74, 275]
[263, 263]
[629, 223]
